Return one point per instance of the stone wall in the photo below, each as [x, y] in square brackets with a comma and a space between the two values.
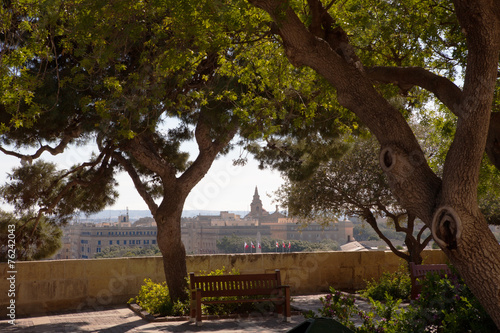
[46, 286]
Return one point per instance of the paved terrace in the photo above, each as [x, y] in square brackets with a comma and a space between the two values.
[121, 319]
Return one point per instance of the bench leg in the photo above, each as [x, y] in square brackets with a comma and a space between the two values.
[288, 312]
[192, 311]
[198, 308]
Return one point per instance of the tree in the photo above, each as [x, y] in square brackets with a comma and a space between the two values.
[138, 79]
[354, 185]
[119, 81]
[423, 33]
[44, 199]
[42, 242]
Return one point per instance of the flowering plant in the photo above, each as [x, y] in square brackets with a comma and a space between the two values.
[339, 305]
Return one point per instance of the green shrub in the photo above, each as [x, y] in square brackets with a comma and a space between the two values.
[397, 285]
[154, 298]
[446, 305]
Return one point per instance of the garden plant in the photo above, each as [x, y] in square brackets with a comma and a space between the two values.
[446, 305]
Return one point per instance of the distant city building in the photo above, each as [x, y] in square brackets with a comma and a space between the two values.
[85, 240]
[199, 234]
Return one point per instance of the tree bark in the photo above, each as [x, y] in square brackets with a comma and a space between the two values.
[448, 205]
[168, 221]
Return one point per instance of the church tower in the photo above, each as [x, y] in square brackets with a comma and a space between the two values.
[256, 209]
[256, 205]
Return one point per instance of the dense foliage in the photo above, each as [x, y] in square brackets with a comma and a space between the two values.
[31, 243]
[155, 299]
[446, 305]
[396, 285]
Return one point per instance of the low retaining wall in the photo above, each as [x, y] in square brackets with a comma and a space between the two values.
[45, 286]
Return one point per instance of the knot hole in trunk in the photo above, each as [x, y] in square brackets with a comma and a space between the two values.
[446, 227]
[387, 159]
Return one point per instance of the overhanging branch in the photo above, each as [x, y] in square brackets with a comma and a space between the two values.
[45, 148]
[406, 77]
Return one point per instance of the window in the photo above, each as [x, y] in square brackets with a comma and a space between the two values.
[117, 242]
[153, 241]
[110, 242]
[132, 242]
[98, 242]
[138, 242]
[98, 249]
[124, 242]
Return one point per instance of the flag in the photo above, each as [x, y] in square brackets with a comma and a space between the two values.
[258, 245]
[253, 246]
[246, 245]
[289, 244]
[283, 244]
[277, 245]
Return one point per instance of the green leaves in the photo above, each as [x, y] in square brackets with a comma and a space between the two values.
[40, 187]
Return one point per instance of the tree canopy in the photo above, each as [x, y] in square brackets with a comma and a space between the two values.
[449, 49]
[138, 79]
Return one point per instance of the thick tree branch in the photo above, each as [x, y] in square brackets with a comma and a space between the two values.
[406, 77]
[372, 221]
[144, 150]
[461, 168]
[208, 151]
[66, 139]
[139, 185]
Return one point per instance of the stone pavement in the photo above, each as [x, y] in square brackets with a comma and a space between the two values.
[122, 319]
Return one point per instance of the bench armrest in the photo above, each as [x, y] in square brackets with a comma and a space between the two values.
[283, 286]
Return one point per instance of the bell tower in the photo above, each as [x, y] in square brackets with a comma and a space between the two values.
[256, 205]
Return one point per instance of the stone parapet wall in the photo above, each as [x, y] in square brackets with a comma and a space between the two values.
[56, 285]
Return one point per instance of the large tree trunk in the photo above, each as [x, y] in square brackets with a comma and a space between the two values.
[448, 205]
[168, 221]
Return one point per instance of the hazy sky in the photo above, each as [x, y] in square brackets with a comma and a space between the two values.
[225, 187]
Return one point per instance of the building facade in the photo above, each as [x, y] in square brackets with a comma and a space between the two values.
[85, 240]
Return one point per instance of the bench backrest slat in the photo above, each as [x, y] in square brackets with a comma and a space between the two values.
[418, 271]
[236, 285]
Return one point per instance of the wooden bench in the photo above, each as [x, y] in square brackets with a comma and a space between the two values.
[257, 287]
[420, 271]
